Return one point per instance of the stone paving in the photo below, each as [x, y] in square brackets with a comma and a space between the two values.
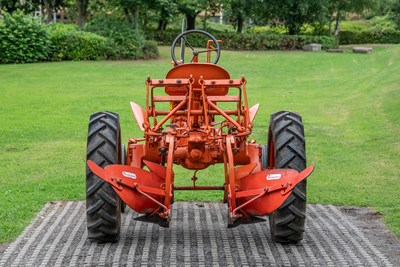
[197, 236]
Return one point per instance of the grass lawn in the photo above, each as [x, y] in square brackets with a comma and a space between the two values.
[350, 105]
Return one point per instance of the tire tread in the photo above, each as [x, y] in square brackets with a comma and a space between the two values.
[287, 133]
[103, 210]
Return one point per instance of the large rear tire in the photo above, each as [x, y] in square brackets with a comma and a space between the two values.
[286, 149]
[103, 205]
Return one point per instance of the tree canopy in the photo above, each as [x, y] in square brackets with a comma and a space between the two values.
[292, 14]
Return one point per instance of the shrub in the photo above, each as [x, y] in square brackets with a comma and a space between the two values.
[278, 29]
[383, 24]
[70, 44]
[150, 50]
[380, 29]
[249, 41]
[23, 39]
[369, 37]
[130, 43]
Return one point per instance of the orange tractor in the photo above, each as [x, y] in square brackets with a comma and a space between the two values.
[196, 131]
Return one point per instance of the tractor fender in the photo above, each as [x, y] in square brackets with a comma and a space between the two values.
[263, 192]
[140, 189]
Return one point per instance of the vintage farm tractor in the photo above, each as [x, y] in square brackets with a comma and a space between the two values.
[196, 131]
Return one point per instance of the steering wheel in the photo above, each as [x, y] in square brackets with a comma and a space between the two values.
[195, 52]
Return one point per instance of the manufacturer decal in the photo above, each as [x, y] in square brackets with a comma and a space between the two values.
[274, 176]
[129, 175]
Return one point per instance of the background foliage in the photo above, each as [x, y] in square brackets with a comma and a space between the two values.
[249, 41]
[241, 14]
[23, 39]
[129, 42]
[70, 44]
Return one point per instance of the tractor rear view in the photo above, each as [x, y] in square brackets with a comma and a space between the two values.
[195, 131]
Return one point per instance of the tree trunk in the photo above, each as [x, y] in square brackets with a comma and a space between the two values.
[135, 16]
[82, 12]
[337, 26]
[162, 25]
[127, 16]
[205, 19]
[240, 22]
[191, 21]
[49, 11]
[331, 19]
[145, 20]
[293, 29]
[294, 26]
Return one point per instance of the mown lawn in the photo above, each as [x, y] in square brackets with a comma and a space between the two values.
[350, 106]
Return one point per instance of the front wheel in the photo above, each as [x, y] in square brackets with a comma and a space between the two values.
[286, 150]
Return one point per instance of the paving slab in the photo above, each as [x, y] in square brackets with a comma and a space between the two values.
[362, 50]
[198, 236]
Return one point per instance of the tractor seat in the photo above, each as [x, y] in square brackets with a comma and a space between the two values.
[208, 71]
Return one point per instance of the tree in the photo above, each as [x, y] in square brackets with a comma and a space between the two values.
[51, 6]
[13, 5]
[135, 11]
[338, 8]
[82, 6]
[166, 10]
[295, 13]
[191, 8]
[395, 12]
[131, 10]
[9, 5]
[390, 8]
[243, 9]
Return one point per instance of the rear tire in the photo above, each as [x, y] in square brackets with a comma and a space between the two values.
[103, 205]
[286, 149]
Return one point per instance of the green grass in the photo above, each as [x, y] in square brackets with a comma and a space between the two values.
[349, 103]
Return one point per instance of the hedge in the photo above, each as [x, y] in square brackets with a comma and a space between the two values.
[368, 37]
[249, 41]
[71, 44]
[24, 39]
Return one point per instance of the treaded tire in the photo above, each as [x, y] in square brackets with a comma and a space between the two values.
[103, 205]
[286, 147]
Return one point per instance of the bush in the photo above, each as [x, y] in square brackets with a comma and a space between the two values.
[369, 37]
[70, 44]
[249, 41]
[129, 43]
[23, 39]
[383, 24]
[380, 29]
[279, 29]
[150, 50]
